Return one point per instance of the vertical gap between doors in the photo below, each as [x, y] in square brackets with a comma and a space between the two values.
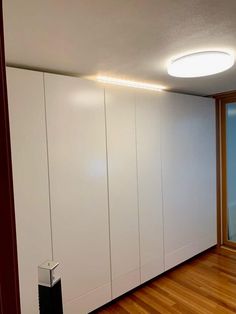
[108, 190]
[47, 151]
[162, 192]
[137, 178]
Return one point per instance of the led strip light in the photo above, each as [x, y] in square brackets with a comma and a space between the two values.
[115, 81]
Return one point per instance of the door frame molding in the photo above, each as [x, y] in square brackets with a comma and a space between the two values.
[222, 217]
[9, 280]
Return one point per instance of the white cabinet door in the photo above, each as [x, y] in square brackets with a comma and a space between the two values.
[78, 185]
[189, 170]
[122, 173]
[30, 178]
[148, 127]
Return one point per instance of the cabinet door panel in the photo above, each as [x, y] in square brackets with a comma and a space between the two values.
[189, 176]
[30, 178]
[78, 183]
[148, 129]
[122, 173]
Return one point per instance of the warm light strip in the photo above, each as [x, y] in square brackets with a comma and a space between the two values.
[115, 81]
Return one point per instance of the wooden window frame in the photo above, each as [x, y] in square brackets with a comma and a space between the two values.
[222, 213]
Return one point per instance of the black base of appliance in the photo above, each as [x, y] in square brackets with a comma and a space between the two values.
[50, 299]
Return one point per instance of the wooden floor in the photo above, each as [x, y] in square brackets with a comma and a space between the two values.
[205, 284]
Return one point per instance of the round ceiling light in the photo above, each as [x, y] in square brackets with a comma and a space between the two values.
[201, 64]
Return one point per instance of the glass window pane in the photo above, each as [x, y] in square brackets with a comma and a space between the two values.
[231, 169]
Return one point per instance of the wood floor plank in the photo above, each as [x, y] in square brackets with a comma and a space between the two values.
[203, 285]
[132, 307]
[154, 304]
[193, 284]
[182, 295]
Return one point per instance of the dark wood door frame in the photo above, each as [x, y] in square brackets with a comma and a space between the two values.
[222, 212]
[9, 285]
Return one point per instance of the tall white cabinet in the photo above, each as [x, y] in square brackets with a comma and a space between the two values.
[148, 134]
[115, 184]
[30, 177]
[189, 180]
[135, 190]
[123, 190]
[78, 190]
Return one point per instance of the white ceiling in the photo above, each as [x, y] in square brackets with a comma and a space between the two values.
[131, 39]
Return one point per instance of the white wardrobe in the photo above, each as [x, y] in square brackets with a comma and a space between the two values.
[115, 184]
